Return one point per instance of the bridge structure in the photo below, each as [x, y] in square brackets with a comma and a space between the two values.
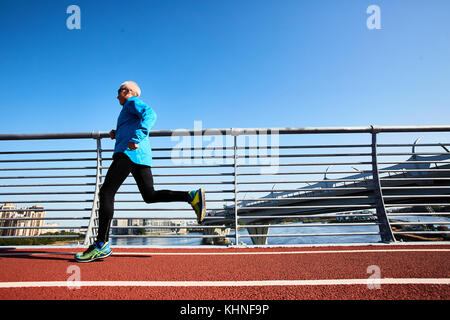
[418, 182]
[272, 196]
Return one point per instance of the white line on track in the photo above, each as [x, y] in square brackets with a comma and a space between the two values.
[326, 282]
[279, 252]
[230, 253]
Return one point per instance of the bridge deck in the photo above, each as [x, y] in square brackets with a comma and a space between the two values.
[276, 273]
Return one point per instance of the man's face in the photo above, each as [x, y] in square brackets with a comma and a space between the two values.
[122, 95]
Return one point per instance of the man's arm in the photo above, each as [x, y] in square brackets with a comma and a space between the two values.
[147, 118]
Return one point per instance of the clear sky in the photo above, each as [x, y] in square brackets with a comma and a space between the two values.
[233, 63]
[246, 63]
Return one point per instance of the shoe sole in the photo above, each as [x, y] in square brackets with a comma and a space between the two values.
[202, 214]
[98, 258]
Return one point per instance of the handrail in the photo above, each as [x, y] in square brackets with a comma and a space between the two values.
[233, 131]
[354, 196]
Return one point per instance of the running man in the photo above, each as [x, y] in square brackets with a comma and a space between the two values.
[132, 154]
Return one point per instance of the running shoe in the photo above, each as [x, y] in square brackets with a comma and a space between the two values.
[197, 201]
[94, 252]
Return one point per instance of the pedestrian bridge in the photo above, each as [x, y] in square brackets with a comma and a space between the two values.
[258, 181]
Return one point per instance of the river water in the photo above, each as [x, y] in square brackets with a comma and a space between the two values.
[300, 229]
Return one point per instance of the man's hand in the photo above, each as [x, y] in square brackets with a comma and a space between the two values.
[132, 146]
[112, 134]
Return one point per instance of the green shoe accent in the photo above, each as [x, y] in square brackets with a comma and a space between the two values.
[197, 201]
[94, 253]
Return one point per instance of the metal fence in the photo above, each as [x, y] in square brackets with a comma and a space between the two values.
[263, 186]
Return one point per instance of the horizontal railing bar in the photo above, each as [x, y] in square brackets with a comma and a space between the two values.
[311, 189]
[416, 204]
[188, 175]
[303, 207]
[140, 200]
[414, 170]
[416, 187]
[46, 218]
[307, 216]
[167, 236]
[413, 162]
[166, 218]
[299, 155]
[159, 209]
[246, 217]
[309, 234]
[265, 174]
[224, 148]
[156, 218]
[267, 147]
[419, 214]
[206, 191]
[252, 156]
[417, 196]
[309, 225]
[48, 160]
[43, 227]
[183, 183]
[306, 198]
[412, 153]
[420, 232]
[412, 145]
[57, 168]
[306, 164]
[170, 227]
[44, 193]
[44, 209]
[49, 177]
[234, 131]
[187, 166]
[51, 201]
[40, 237]
[263, 165]
[412, 179]
[48, 185]
[331, 146]
[46, 151]
[418, 223]
[305, 181]
[305, 172]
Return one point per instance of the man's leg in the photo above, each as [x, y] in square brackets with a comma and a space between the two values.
[144, 179]
[117, 173]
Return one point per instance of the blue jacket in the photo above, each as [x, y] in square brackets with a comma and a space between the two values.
[133, 125]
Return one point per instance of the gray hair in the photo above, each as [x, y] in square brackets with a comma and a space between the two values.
[133, 87]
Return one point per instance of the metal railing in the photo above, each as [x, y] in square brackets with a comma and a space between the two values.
[263, 186]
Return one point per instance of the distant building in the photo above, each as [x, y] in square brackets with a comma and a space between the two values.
[53, 228]
[10, 211]
[152, 224]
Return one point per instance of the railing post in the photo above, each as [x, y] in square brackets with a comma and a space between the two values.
[236, 220]
[93, 221]
[383, 221]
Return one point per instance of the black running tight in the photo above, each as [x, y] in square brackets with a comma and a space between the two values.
[119, 170]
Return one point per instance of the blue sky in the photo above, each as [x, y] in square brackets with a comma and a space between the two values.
[234, 63]
[250, 63]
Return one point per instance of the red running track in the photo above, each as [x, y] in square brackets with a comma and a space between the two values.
[400, 272]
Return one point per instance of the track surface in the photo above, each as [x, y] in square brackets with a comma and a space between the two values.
[400, 272]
